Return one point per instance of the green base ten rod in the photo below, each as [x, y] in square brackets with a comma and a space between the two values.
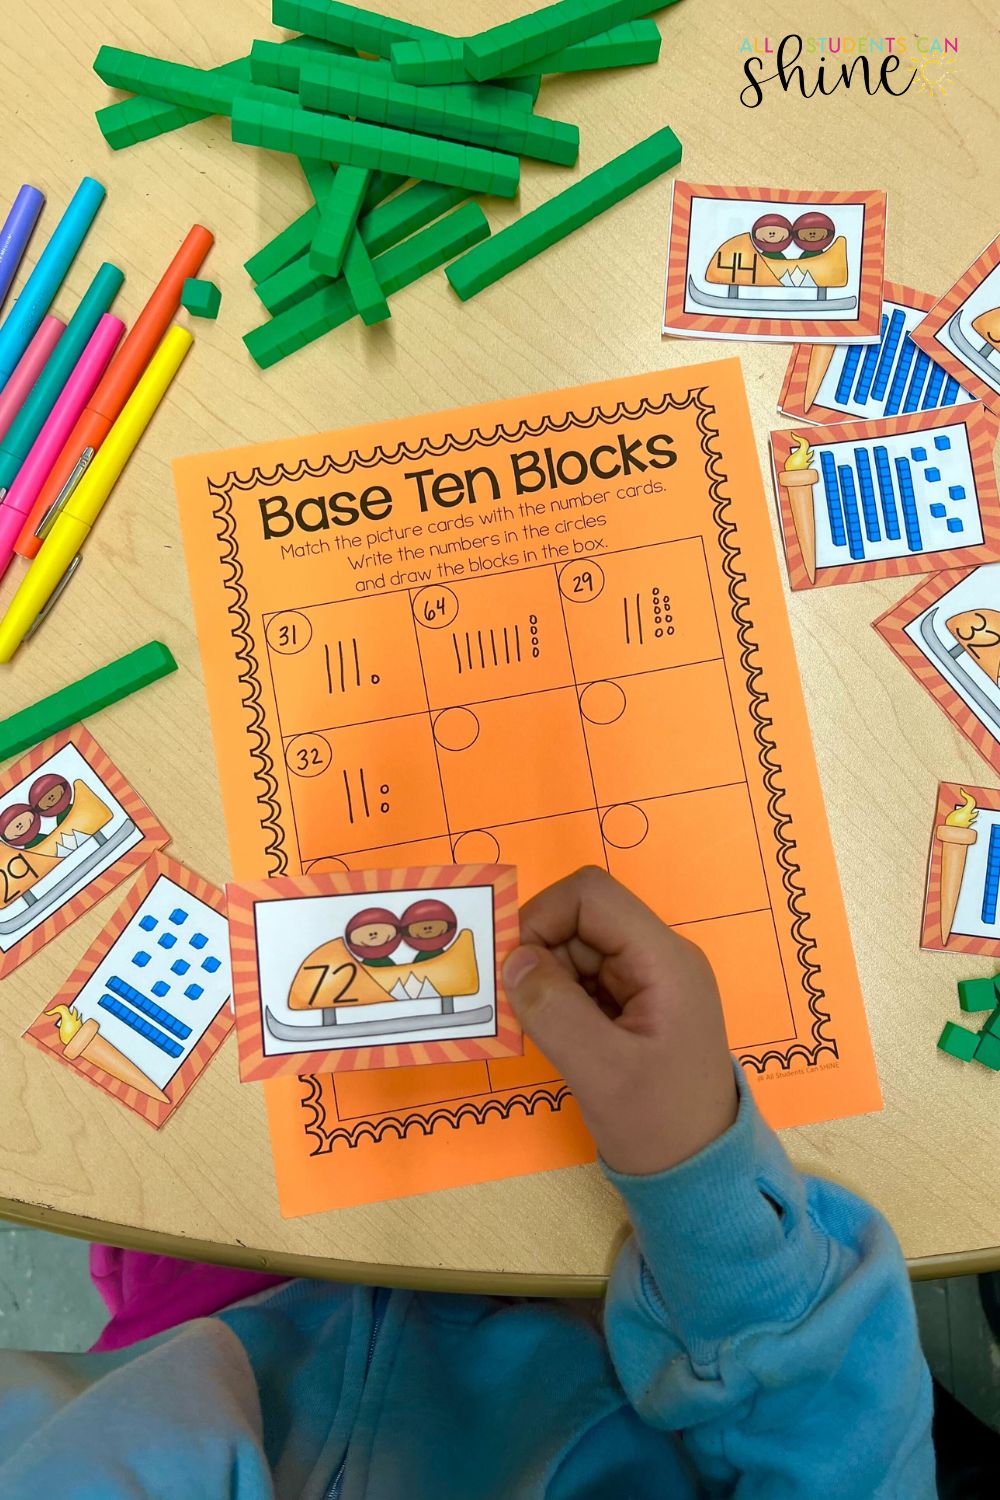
[81, 699]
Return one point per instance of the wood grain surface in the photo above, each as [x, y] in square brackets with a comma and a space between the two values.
[587, 310]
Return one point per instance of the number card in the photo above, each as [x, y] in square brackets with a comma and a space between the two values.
[386, 969]
[827, 382]
[766, 264]
[862, 500]
[71, 828]
[963, 872]
[540, 633]
[962, 331]
[148, 1006]
[947, 632]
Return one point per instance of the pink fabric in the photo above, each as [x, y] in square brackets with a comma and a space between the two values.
[146, 1294]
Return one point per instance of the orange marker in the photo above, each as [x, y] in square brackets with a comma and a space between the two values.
[117, 385]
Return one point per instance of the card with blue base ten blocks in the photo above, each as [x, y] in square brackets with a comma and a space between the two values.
[149, 1004]
[828, 383]
[907, 494]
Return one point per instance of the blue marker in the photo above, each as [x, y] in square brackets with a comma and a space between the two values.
[48, 275]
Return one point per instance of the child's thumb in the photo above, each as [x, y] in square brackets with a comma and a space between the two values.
[558, 1015]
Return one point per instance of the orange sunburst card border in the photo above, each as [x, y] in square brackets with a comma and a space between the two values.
[508, 1040]
[950, 796]
[154, 836]
[891, 626]
[781, 330]
[981, 438]
[791, 401]
[925, 335]
[42, 1033]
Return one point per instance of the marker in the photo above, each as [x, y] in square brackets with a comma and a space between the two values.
[70, 526]
[61, 363]
[36, 467]
[16, 233]
[117, 385]
[47, 277]
[31, 364]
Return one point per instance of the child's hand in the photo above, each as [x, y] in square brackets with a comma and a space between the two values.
[629, 1013]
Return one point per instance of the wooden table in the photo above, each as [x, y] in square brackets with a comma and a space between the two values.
[74, 1160]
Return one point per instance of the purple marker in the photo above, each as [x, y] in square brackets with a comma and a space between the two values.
[16, 233]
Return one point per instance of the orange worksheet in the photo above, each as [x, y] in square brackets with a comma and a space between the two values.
[543, 632]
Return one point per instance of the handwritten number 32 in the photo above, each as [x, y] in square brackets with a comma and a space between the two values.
[306, 756]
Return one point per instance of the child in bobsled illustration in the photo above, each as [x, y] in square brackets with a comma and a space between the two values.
[362, 969]
[39, 832]
[806, 256]
[979, 359]
[24, 825]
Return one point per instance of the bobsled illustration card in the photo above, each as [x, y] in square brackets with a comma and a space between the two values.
[148, 1005]
[373, 969]
[947, 632]
[862, 500]
[828, 382]
[962, 903]
[774, 265]
[71, 828]
[962, 331]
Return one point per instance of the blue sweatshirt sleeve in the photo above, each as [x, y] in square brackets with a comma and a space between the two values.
[767, 1318]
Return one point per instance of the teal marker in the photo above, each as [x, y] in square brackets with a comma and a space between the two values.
[48, 275]
[60, 365]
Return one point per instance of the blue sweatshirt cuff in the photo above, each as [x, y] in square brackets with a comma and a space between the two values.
[726, 1237]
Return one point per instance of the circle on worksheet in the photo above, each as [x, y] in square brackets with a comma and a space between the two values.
[435, 607]
[602, 702]
[624, 826]
[456, 728]
[308, 755]
[288, 632]
[480, 847]
[327, 864]
[580, 582]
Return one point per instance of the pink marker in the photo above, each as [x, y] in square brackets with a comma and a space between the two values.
[28, 368]
[49, 443]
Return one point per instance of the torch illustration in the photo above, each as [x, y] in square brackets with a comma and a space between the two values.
[797, 479]
[83, 1039]
[820, 358]
[956, 836]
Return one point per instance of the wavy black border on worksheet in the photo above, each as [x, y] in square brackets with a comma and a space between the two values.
[425, 1120]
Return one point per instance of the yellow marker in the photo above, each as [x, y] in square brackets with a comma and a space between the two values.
[70, 526]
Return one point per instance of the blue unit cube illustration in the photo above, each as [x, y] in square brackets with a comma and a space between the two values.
[138, 992]
[880, 498]
[889, 378]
